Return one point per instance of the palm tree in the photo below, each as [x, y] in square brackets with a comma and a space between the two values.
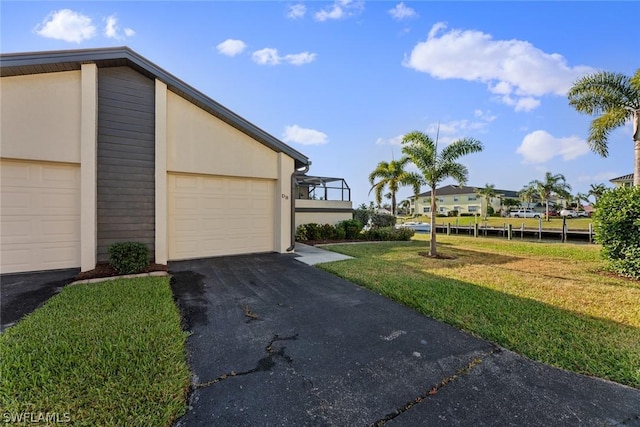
[487, 192]
[528, 193]
[597, 190]
[579, 198]
[437, 166]
[552, 185]
[615, 99]
[393, 175]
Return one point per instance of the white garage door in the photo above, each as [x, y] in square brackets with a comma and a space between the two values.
[40, 219]
[211, 216]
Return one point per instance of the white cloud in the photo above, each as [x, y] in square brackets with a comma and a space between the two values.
[296, 11]
[112, 29]
[266, 56]
[396, 140]
[303, 136]
[340, 9]
[599, 177]
[67, 25]
[515, 70]
[540, 146]
[231, 47]
[300, 58]
[402, 12]
[270, 56]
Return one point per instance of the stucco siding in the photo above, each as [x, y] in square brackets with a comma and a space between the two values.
[198, 142]
[39, 117]
[126, 159]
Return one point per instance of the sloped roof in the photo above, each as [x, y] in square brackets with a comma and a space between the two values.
[17, 64]
[450, 190]
[623, 178]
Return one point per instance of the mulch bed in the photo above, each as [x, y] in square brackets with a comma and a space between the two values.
[105, 270]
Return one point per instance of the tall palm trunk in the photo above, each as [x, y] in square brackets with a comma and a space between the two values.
[636, 140]
[393, 203]
[432, 233]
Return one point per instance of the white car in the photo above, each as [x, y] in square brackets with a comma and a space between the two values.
[569, 213]
[524, 213]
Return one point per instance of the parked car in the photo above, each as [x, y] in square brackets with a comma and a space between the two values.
[524, 213]
[583, 214]
[569, 213]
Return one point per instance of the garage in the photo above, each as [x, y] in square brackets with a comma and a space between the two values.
[100, 146]
[40, 222]
[213, 215]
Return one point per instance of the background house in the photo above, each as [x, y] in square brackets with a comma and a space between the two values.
[623, 181]
[463, 199]
[101, 145]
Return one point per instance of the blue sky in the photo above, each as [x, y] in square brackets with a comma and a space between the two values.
[342, 81]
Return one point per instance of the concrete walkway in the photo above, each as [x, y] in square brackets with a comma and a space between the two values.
[312, 255]
[276, 342]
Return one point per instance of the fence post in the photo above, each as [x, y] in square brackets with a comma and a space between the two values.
[509, 232]
[522, 231]
[590, 232]
[448, 229]
[563, 236]
[475, 230]
[540, 228]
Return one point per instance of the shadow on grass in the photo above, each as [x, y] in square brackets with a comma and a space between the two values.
[417, 251]
[552, 335]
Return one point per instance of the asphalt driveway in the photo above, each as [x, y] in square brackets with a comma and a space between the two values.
[277, 342]
[22, 293]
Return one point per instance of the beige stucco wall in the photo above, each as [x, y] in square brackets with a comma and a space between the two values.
[198, 142]
[322, 217]
[161, 237]
[39, 117]
[89, 167]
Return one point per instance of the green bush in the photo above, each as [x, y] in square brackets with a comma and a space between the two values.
[128, 257]
[389, 234]
[453, 212]
[362, 214]
[351, 227]
[382, 220]
[617, 226]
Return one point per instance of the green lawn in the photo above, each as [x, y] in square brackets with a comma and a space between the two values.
[549, 302]
[110, 353]
[553, 223]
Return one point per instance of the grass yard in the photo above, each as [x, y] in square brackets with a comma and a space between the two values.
[110, 353]
[548, 301]
[554, 223]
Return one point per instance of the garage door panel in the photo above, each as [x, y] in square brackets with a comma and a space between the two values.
[212, 216]
[40, 220]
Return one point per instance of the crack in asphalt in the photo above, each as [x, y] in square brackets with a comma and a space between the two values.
[264, 364]
[433, 390]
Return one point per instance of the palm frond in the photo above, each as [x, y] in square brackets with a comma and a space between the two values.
[602, 126]
[460, 148]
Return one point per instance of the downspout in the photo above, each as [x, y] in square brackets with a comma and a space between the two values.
[294, 186]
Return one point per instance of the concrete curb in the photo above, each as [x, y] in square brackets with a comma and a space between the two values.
[126, 276]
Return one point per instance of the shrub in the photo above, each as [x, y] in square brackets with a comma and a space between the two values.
[389, 234]
[382, 220]
[617, 227]
[327, 232]
[362, 214]
[128, 257]
[490, 210]
[453, 212]
[351, 227]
